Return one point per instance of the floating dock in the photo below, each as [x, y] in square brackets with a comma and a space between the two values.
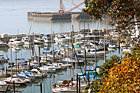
[58, 16]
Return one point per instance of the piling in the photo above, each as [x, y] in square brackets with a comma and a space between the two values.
[6, 71]
[13, 86]
[88, 80]
[33, 52]
[40, 87]
[79, 84]
[39, 55]
[18, 67]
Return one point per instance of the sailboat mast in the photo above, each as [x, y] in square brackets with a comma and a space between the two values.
[85, 49]
[11, 61]
[53, 48]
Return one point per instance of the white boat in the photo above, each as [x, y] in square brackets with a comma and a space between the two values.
[91, 52]
[45, 57]
[48, 69]
[17, 81]
[29, 74]
[38, 41]
[88, 37]
[16, 41]
[27, 41]
[65, 90]
[67, 86]
[54, 66]
[42, 73]
[112, 46]
[96, 45]
[2, 82]
[64, 52]
[63, 66]
[23, 77]
[61, 38]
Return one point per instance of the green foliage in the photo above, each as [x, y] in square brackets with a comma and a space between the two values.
[122, 77]
[109, 63]
[104, 70]
[120, 11]
[86, 91]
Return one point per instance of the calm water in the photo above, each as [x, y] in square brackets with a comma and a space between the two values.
[47, 82]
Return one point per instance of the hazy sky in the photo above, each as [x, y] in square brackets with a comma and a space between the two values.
[13, 13]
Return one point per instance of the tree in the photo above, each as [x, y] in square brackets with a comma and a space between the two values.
[104, 71]
[122, 12]
[121, 77]
[124, 77]
[109, 63]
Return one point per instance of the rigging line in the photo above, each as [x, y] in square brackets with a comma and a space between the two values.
[75, 51]
[78, 62]
[77, 58]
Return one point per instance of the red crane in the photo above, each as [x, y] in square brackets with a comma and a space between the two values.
[62, 7]
[75, 5]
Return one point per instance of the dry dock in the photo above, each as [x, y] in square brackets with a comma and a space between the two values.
[58, 16]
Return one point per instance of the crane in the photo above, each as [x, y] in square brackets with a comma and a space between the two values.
[62, 7]
[75, 5]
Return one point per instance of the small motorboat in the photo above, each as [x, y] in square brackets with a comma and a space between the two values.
[16, 81]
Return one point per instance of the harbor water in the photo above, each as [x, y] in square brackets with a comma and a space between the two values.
[52, 78]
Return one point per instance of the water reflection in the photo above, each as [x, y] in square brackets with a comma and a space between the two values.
[4, 49]
[58, 26]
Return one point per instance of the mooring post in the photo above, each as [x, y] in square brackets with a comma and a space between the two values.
[18, 67]
[33, 52]
[39, 55]
[88, 80]
[6, 71]
[13, 86]
[77, 82]
[40, 87]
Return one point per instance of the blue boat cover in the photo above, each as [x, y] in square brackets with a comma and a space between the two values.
[36, 65]
[20, 76]
[27, 74]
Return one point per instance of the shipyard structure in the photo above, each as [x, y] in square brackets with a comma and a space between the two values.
[62, 14]
[58, 16]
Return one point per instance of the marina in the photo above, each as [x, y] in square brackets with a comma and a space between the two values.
[42, 65]
[55, 46]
